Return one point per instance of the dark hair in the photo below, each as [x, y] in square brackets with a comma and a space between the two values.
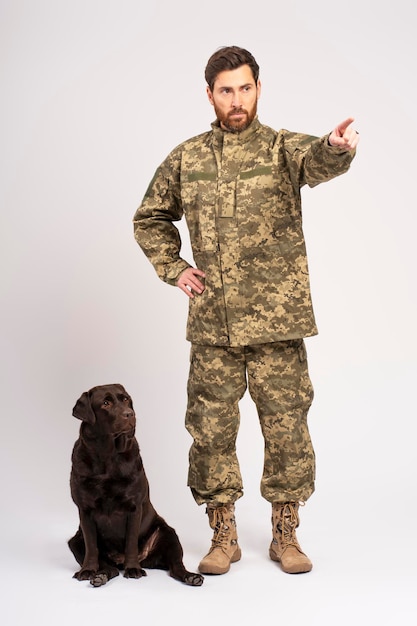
[229, 58]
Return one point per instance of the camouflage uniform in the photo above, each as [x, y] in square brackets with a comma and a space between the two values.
[240, 195]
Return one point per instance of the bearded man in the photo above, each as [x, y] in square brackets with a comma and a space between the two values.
[238, 186]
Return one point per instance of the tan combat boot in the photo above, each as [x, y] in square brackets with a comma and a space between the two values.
[284, 546]
[224, 547]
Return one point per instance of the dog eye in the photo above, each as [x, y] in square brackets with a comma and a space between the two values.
[106, 403]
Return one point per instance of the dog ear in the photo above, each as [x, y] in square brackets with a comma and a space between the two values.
[83, 409]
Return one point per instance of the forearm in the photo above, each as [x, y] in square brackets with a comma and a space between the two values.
[161, 243]
[323, 162]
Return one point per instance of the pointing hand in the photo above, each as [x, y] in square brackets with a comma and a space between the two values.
[344, 135]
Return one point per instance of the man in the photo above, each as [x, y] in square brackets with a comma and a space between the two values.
[238, 187]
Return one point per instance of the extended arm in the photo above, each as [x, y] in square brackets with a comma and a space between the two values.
[314, 160]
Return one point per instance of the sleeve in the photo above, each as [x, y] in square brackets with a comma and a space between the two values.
[312, 160]
[153, 225]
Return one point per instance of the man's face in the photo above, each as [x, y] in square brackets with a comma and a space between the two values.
[235, 97]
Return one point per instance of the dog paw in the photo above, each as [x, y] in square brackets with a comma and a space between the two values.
[195, 580]
[84, 574]
[134, 572]
[99, 579]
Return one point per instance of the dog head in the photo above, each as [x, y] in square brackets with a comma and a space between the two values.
[108, 409]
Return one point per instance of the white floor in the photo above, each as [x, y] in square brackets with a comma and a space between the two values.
[364, 572]
[358, 528]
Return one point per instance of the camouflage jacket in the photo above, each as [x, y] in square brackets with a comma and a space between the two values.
[240, 195]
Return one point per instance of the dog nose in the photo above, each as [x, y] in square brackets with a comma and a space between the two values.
[128, 413]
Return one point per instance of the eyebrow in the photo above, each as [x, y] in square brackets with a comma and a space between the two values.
[240, 86]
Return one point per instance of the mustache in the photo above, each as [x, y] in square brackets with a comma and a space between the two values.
[239, 110]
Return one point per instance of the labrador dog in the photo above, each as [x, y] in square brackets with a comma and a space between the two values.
[119, 528]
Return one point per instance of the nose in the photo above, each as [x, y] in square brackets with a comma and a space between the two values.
[236, 100]
[128, 413]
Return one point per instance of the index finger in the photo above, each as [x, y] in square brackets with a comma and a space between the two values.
[343, 125]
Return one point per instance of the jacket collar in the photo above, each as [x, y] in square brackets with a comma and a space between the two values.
[242, 137]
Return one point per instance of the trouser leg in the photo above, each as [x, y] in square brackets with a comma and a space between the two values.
[217, 381]
[280, 386]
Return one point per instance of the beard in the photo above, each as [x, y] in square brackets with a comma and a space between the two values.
[236, 125]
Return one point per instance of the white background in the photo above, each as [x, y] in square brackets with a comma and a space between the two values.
[94, 94]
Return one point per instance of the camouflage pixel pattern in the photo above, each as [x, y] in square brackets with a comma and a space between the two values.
[240, 195]
[280, 386]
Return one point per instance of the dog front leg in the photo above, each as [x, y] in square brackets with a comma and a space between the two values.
[90, 563]
[132, 565]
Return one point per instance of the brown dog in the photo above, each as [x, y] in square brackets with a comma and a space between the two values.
[119, 528]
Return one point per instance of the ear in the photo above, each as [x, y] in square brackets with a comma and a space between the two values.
[258, 89]
[83, 409]
[210, 95]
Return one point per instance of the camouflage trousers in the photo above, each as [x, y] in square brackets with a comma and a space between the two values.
[279, 384]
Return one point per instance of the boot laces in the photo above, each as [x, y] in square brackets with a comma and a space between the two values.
[287, 523]
[221, 529]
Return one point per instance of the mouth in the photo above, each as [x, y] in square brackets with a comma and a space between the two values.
[237, 114]
[129, 431]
